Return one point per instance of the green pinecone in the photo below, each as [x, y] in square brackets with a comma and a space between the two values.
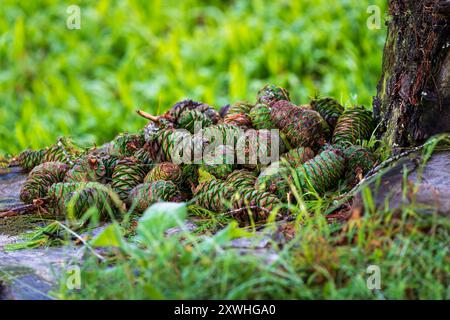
[58, 192]
[238, 114]
[261, 204]
[169, 142]
[166, 171]
[63, 151]
[260, 117]
[302, 127]
[144, 195]
[239, 108]
[297, 156]
[353, 125]
[329, 108]
[213, 195]
[29, 159]
[240, 179]
[126, 144]
[40, 179]
[87, 168]
[185, 105]
[110, 162]
[271, 93]
[98, 196]
[323, 171]
[240, 120]
[127, 174]
[359, 161]
[193, 119]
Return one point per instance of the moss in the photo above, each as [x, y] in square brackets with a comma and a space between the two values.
[13, 226]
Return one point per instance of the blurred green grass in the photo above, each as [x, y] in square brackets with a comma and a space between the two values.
[149, 54]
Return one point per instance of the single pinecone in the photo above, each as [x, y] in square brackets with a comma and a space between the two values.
[110, 162]
[239, 108]
[58, 169]
[260, 117]
[61, 190]
[29, 159]
[180, 107]
[323, 171]
[329, 108]
[193, 120]
[271, 93]
[87, 168]
[261, 204]
[213, 195]
[179, 116]
[302, 127]
[166, 171]
[58, 193]
[241, 120]
[353, 125]
[127, 174]
[297, 156]
[63, 151]
[98, 196]
[238, 115]
[145, 194]
[240, 179]
[126, 144]
[40, 179]
[169, 143]
[359, 161]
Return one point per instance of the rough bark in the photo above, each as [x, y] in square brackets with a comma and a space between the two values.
[413, 99]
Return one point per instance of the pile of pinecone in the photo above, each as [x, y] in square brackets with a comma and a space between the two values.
[320, 146]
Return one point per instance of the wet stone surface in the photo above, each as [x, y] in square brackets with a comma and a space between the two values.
[11, 181]
[30, 273]
[433, 184]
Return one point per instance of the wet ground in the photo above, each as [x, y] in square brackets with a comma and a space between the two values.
[31, 273]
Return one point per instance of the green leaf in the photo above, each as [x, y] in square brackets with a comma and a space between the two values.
[231, 232]
[110, 237]
[159, 217]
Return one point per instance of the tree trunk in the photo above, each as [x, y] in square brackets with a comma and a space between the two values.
[413, 99]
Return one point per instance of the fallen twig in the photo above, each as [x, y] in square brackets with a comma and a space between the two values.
[147, 116]
[18, 211]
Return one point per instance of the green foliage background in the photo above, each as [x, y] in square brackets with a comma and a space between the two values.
[149, 54]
